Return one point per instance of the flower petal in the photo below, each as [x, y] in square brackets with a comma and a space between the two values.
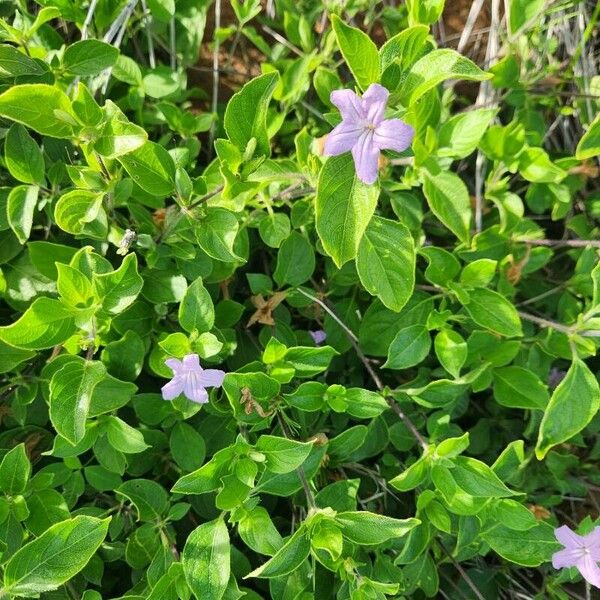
[349, 105]
[565, 558]
[592, 539]
[393, 134]
[589, 570]
[318, 336]
[568, 538]
[172, 389]
[374, 101]
[366, 158]
[194, 390]
[212, 377]
[191, 361]
[173, 364]
[342, 138]
[592, 543]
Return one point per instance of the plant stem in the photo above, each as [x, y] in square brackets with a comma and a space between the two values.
[568, 243]
[374, 376]
[310, 500]
[462, 572]
[215, 82]
[568, 330]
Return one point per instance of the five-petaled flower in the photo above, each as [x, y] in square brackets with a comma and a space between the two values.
[190, 379]
[581, 551]
[318, 336]
[364, 130]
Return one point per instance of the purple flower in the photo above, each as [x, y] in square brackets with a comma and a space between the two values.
[318, 336]
[580, 551]
[190, 379]
[364, 130]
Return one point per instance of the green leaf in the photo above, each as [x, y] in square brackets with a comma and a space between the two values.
[149, 498]
[258, 532]
[364, 404]
[288, 558]
[295, 261]
[386, 262]
[477, 479]
[344, 207]
[73, 286]
[24, 158]
[55, 557]
[309, 361]
[535, 166]
[14, 63]
[451, 350]
[71, 389]
[517, 387]
[123, 437]
[246, 114]
[11, 357]
[206, 561]
[274, 228]
[283, 455]
[589, 144]
[20, 209]
[342, 446]
[162, 10]
[522, 13]
[460, 134]
[572, 406]
[119, 136]
[40, 107]
[187, 446]
[359, 52]
[448, 199]
[46, 323]
[15, 470]
[366, 528]
[196, 311]
[206, 478]
[86, 108]
[76, 209]
[410, 346]
[413, 476]
[216, 234]
[529, 548]
[152, 168]
[401, 51]
[435, 67]
[494, 312]
[118, 289]
[89, 57]
[424, 11]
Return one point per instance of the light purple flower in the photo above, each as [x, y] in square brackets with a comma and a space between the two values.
[318, 336]
[364, 130]
[190, 379]
[579, 551]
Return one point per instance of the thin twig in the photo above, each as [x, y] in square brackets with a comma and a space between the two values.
[568, 243]
[148, 24]
[310, 499]
[215, 81]
[374, 376]
[282, 40]
[88, 19]
[186, 211]
[568, 330]
[172, 44]
[462, 572]
[470, 23]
